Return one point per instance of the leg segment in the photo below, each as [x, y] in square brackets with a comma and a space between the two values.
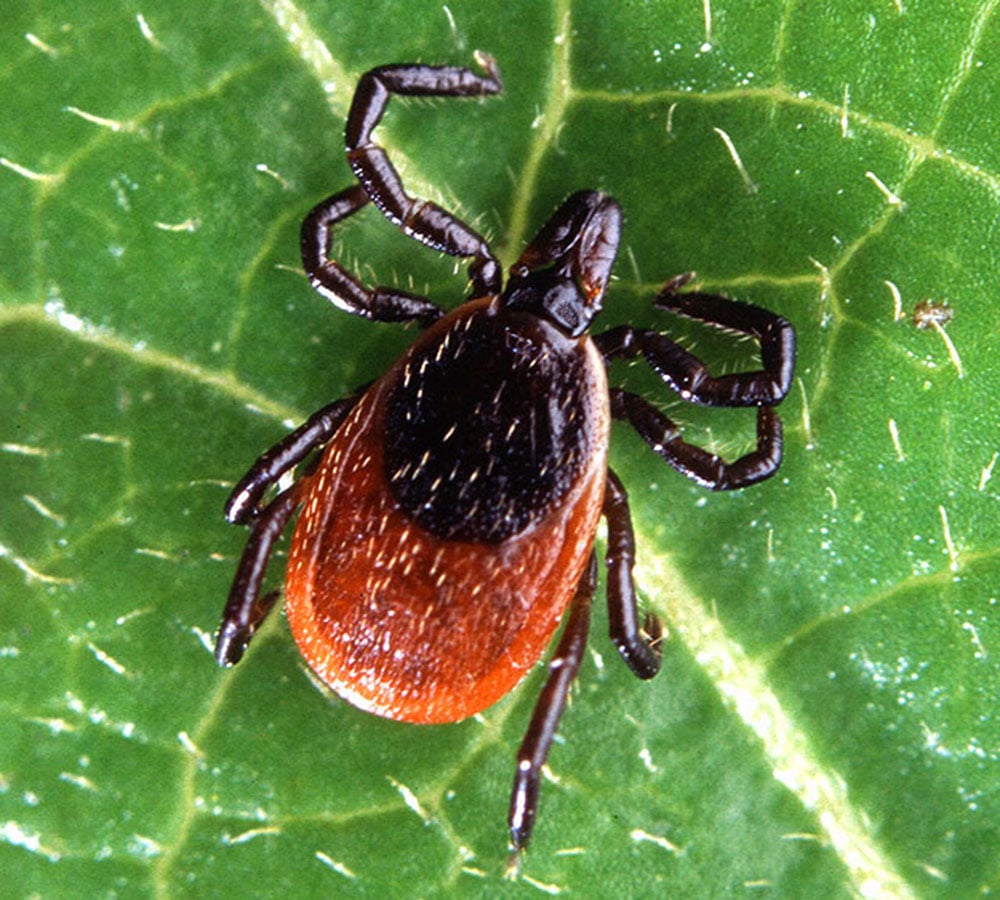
[243, 506]
[420, 219]
[705, 468]
[640, 651]
[246, 608]
[534, 749]
[333, 281]
[689, 376]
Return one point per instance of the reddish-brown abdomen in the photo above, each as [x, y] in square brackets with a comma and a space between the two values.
[414, 625]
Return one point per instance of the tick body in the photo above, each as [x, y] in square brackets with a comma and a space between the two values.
[450, 518]
[449, 524]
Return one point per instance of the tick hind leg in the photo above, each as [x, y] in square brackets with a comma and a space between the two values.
[639, 647]
[244, 503]
[381, 184]
[690, 378]
[246, 608]
[534, 749]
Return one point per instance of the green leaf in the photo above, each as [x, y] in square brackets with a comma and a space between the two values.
[825, 722]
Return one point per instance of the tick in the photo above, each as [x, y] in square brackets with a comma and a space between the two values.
[449, 523]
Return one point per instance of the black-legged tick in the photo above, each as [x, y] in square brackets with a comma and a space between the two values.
[451, 519]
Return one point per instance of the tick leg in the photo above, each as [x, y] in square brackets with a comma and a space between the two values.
[640, 651]
[689, 376]
[333, 281]
[705, 468]
[534, 749]
[420, 219]
[243, 505]
[246, 608]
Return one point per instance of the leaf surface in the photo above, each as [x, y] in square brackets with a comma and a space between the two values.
[825, 721]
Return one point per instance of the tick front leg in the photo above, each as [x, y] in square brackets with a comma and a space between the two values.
[421, 219]
[246, 608]
[664, 438]
[534, 749]
[340, 287]
[640, 650]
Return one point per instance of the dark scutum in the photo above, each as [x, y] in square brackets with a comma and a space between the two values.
[486, 429]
